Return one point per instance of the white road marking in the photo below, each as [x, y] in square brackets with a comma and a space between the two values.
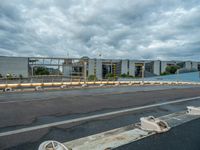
[176, 118]
[27, 129]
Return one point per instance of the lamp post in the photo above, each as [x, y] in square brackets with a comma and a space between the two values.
[85, 71]
[177, 73]
[32, 73]
[143, 74]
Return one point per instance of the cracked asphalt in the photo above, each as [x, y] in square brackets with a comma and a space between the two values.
[19, 110]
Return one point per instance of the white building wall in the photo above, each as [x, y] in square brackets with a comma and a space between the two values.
[14, 65]
[91, 66]
[188, 64]
[67, 70]
[124, 67]
[163, 66]
[195, 65]
[156, 67]
[132, 68]
[99, 69]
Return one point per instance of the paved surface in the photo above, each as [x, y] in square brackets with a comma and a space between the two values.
[19, 110]
[184, 137]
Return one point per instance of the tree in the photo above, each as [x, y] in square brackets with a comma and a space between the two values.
[41, 71]
[171, 69]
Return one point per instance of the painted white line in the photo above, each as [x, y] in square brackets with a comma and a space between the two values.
[93, 117]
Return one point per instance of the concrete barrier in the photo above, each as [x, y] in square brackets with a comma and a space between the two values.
[8, 89]
[38, 88]
[58, 84]
[140, 132]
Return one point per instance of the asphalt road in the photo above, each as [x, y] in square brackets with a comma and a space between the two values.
[184, 137]
[19, 110]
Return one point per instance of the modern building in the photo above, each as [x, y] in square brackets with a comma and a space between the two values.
[14, 66]
[85, 67]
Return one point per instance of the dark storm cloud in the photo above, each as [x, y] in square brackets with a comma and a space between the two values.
[148, 29]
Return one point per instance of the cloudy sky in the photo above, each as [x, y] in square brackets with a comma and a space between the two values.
[134, 29]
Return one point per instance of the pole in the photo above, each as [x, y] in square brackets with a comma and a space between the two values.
[143, 74]
[177, 73]
[32, 73]
[85, 71]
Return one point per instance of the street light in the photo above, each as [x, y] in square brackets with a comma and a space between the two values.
[143, 74]
[85, 71]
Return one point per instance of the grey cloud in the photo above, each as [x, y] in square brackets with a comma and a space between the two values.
[148, 29]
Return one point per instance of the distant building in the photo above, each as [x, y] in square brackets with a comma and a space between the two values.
[14, 66]
[84, 67]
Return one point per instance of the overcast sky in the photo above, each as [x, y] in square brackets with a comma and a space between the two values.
[134, 29]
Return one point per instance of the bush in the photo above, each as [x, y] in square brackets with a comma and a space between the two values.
[9, 76]
[92, 78]
[164, 73]
[110, 76]
[20, 76]
[170, 70]
[125, 76]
